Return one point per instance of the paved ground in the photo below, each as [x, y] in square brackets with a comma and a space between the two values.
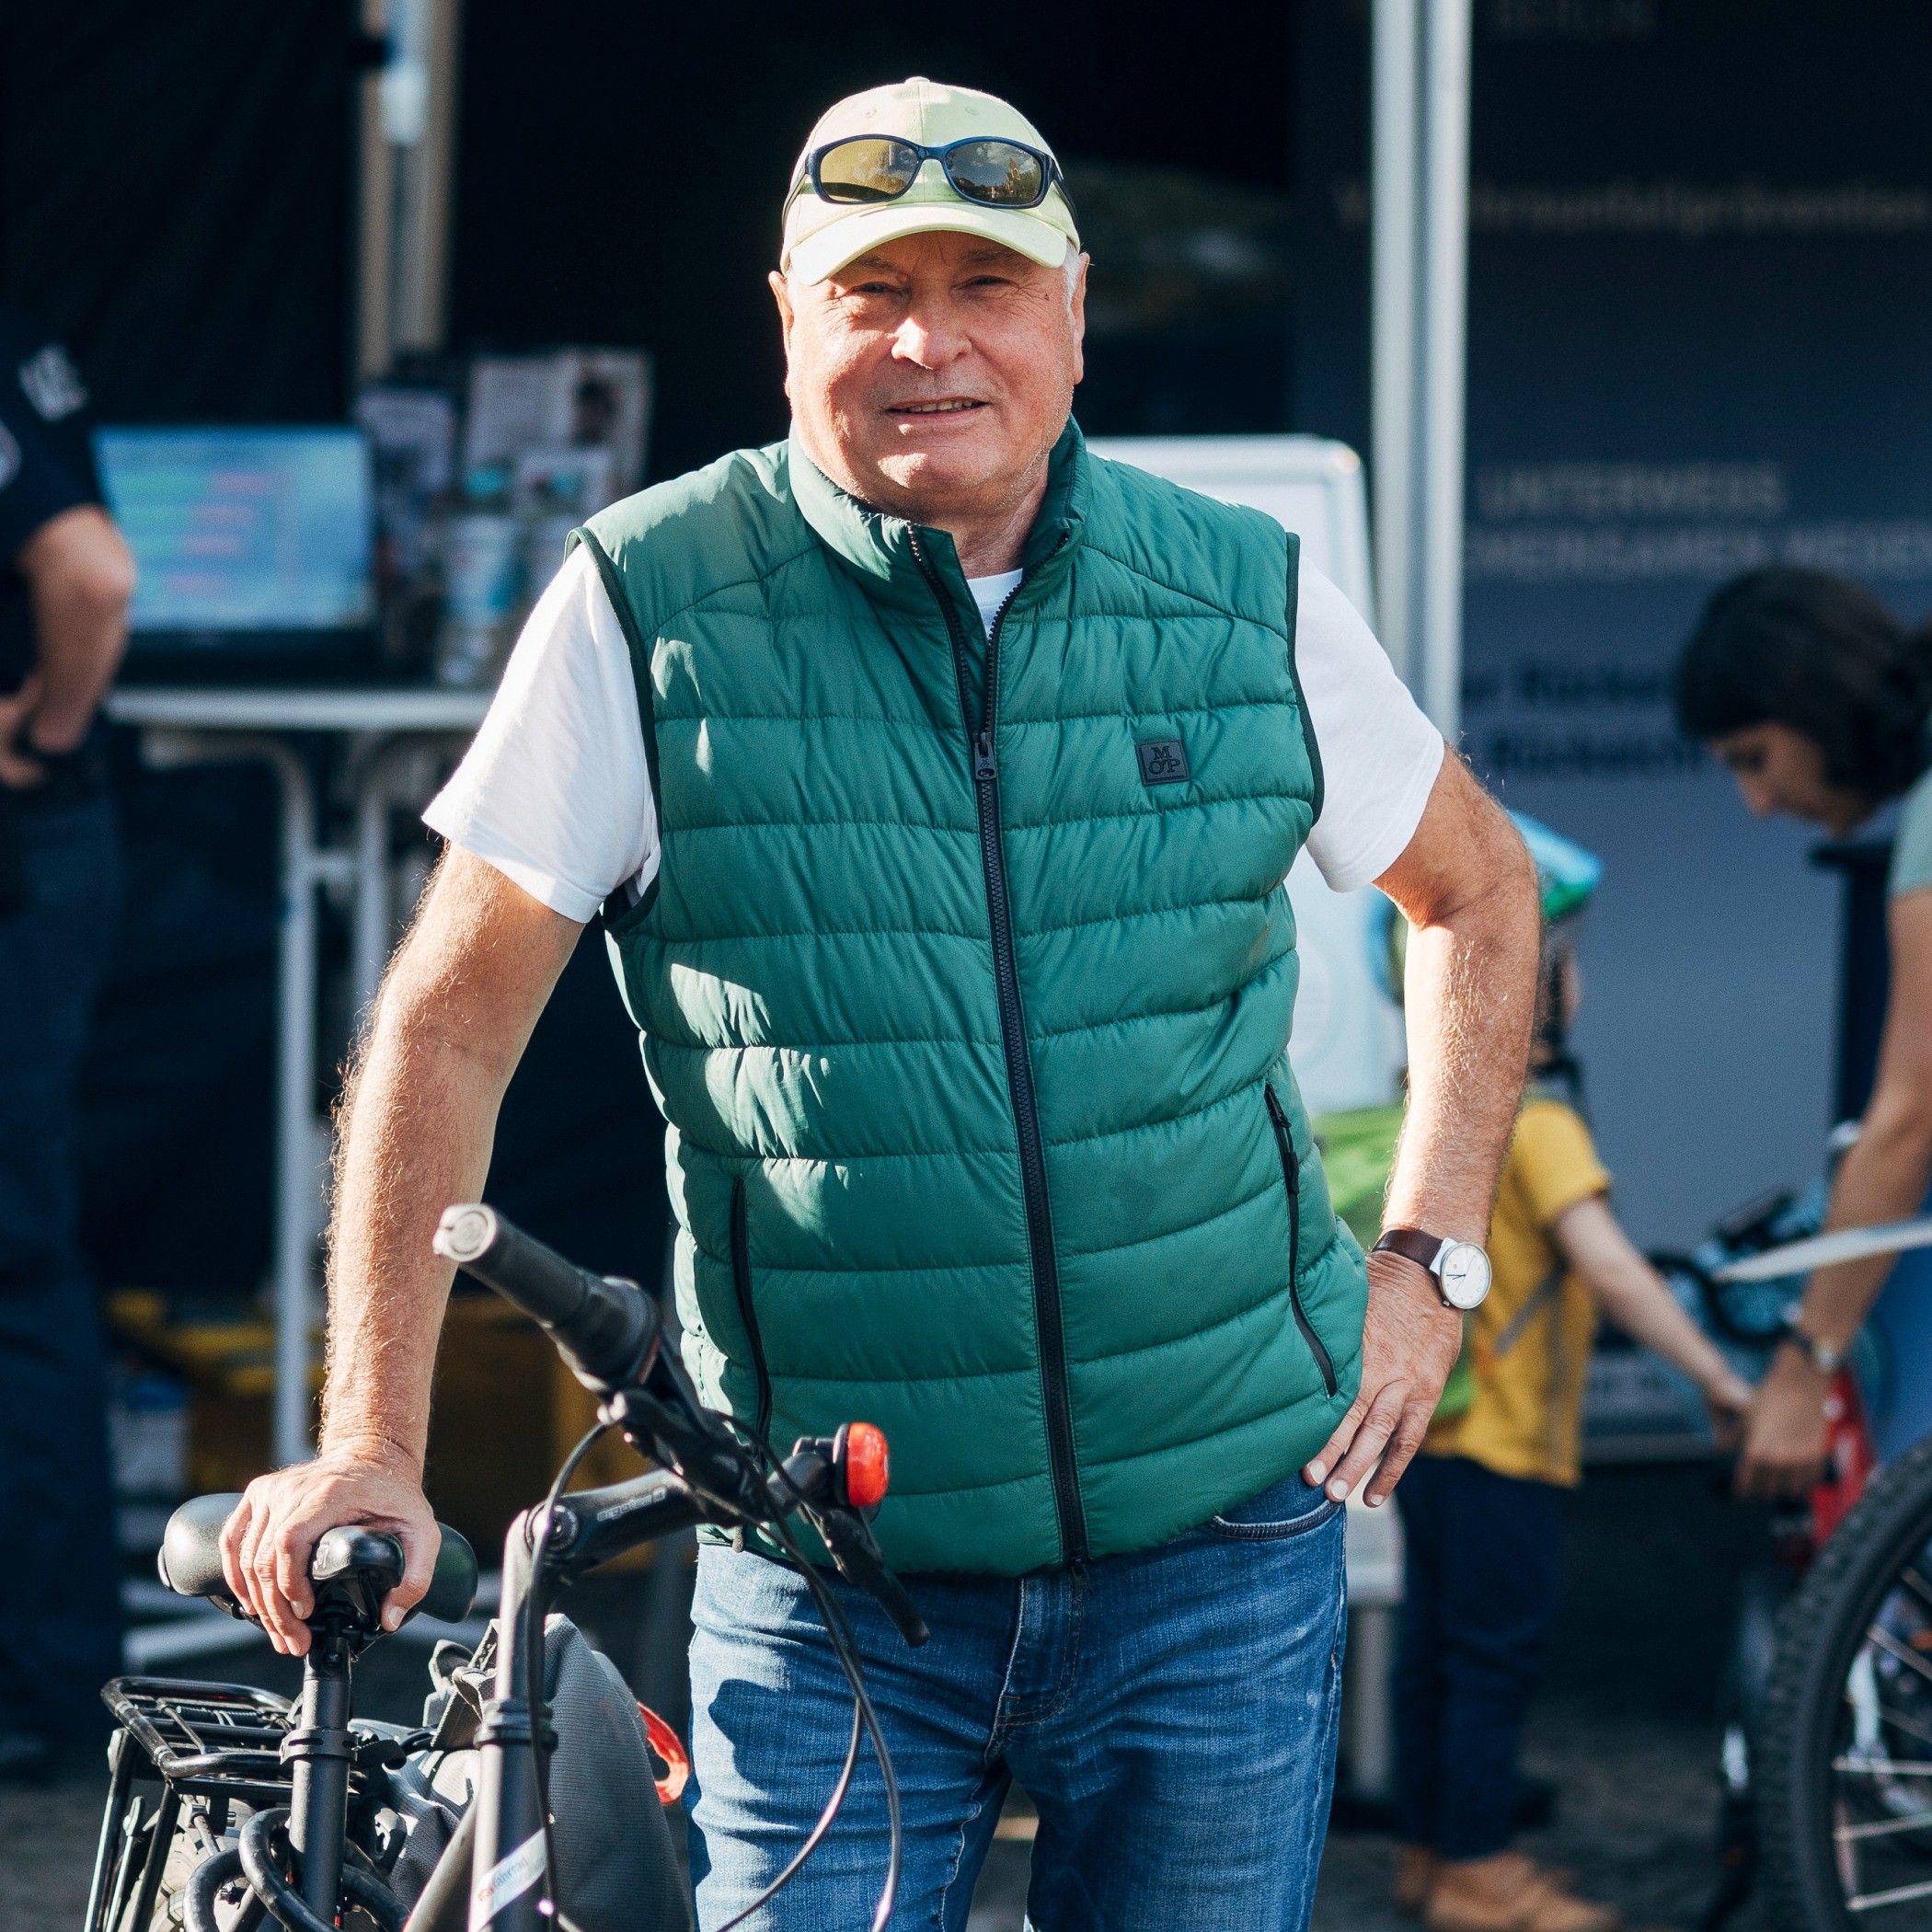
[1625, 1730]
[1635, 1822]
[46, 1849]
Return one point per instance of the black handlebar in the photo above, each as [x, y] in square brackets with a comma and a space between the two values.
[607, 1330]
[591, 1526]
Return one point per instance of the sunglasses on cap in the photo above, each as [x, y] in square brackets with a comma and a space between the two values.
[995, 173]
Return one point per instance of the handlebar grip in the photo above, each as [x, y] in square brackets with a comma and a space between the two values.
[607, 1330]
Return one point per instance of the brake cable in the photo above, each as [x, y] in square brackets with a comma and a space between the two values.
[534, 1661]
[845, 1647]
[838, 1630]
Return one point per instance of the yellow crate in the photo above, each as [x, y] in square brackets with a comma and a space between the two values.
[505, 1411]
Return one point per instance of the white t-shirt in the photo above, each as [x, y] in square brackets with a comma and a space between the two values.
[554, 793]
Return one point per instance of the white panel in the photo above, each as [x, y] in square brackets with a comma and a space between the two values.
[1307, 483]
[1348, 1034]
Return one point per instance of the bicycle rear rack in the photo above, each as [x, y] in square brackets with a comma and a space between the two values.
[217, 1742]
[224, 1737]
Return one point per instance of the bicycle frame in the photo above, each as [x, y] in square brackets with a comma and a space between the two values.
[507, 1859]
[608, 1331]
[494, 1874]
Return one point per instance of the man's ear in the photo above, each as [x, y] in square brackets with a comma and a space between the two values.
[1077, 309]
[781, 294]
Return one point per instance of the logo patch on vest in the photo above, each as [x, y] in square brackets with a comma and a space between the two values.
[1163, 761]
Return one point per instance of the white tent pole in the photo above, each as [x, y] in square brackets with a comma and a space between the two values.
[377, 196]
[1444, 351]
[423, 283]
[1395, 263]
[408, 163]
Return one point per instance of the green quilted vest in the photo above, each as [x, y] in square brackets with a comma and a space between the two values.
[965, 985]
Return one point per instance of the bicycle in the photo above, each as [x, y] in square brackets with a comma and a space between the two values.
[306, 1814]
[1742, 1286]
[1844, 1739]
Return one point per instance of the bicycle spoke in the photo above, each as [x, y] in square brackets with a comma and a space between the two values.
[1881, 1766]
[1898, 1895]
[1885, 1828]
[1891, 1647]
[1917, 1584]
[1900, 1721]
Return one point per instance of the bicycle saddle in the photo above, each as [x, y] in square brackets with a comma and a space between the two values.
[361, 1563]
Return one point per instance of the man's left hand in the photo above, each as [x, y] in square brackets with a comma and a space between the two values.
[1409, 1342]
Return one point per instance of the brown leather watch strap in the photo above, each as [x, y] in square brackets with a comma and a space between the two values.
[1412, 1244]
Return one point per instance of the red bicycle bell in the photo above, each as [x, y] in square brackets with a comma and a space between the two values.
[860, 1456]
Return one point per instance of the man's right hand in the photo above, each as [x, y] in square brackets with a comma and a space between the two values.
[266, 1543]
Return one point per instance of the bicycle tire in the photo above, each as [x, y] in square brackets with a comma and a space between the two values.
[188, 1852]
[1819, 1636]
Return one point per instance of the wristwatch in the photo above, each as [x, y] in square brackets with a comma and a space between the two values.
[1461, 1269]
[1822, 1355]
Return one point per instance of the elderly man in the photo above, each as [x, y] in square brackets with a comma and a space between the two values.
[938, 783]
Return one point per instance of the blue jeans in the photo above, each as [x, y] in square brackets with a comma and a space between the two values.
[1483, 1562]
[60, 1608]
[1171, 1713]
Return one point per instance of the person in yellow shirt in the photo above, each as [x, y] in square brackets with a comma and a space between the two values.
[1482, 1502]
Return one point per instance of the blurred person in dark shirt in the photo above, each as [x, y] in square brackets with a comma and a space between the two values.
[65, 580]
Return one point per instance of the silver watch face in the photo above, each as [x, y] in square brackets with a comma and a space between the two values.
[1463, 1270]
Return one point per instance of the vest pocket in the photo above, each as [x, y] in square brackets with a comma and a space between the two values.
[1292, 1180]
[748, 1308]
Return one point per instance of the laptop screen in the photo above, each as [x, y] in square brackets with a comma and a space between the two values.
[243, 532]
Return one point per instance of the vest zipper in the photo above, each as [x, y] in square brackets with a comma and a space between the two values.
[1019, 1072]
[1292, 1180]
[747, 1308]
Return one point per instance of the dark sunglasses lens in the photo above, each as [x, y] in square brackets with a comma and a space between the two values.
[867, 170]
[1001, 173]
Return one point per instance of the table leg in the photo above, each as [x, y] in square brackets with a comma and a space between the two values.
[297, 1188]
[297, 1192]
[391, 775]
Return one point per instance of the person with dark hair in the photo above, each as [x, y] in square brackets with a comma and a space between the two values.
[1816, 699]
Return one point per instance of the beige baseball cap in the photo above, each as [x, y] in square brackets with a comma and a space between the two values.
[821, 236]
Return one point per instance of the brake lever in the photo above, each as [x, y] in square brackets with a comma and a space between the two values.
[861, 1561]
[715, 1470]
[678, 1430]
[710, 1459]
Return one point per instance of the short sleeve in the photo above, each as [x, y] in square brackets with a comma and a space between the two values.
[554, 792]
[1379, 753]
[39, 481]
[1554, 1162]
[1912, 844]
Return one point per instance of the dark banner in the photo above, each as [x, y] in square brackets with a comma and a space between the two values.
[174, 198]
[1700, 267]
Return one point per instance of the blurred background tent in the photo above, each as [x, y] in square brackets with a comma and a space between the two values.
[178, 196]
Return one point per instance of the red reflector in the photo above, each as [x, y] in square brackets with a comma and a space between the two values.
[868, 1466]
[668, 1746]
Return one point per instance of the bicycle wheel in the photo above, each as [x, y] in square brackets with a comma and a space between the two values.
[1844, 1751]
